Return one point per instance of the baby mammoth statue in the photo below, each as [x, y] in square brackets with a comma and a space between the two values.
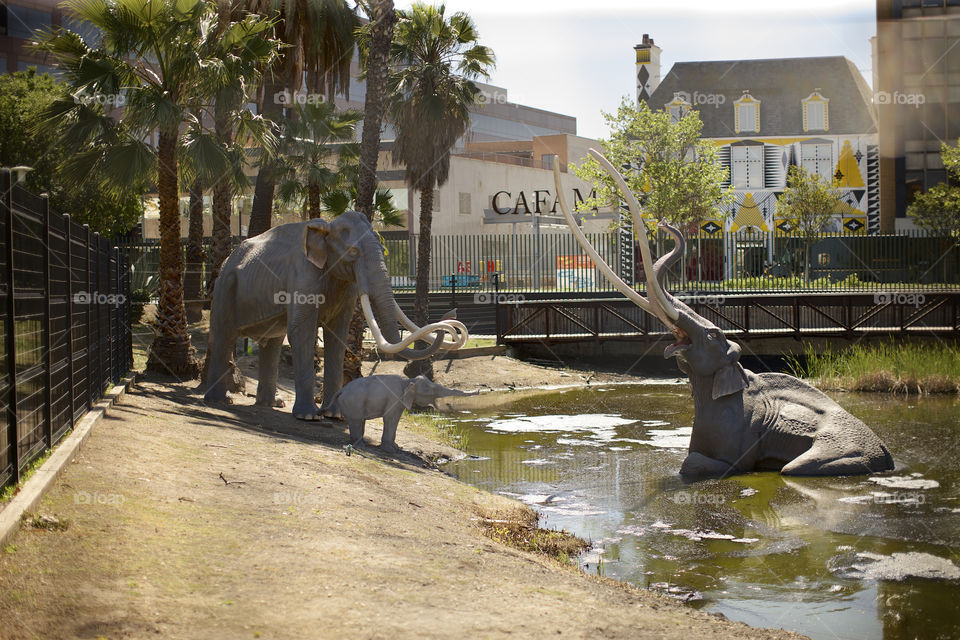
[386, 397]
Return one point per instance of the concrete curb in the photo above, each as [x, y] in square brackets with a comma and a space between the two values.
[44, 477]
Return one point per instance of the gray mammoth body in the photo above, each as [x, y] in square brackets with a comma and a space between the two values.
[297, 277]
[743, 421]
[386, 397]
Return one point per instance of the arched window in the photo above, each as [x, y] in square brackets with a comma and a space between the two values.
[816, 112]
[746, 114]
[678, 107]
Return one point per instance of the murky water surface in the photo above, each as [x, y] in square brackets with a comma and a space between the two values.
[833, 558]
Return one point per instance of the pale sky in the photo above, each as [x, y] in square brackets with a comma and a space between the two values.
[576, 57]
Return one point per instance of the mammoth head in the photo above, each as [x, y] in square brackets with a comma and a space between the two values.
[701, 348]
[348, 249]
[422, 391]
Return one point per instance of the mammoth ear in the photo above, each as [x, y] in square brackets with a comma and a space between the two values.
[409, 394]
[315, 242]
[728, 380]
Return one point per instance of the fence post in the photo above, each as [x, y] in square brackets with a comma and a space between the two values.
[97, 250]
[6, 200]
[47, 321]
[89, 372]
[68, 234]
[496, 306]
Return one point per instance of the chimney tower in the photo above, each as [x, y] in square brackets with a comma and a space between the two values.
[648, 68]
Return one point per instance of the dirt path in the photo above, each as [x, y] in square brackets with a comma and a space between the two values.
[190, 521]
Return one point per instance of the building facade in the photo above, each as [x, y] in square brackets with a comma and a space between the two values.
[18, 21]
[917, 80]
[766, 115]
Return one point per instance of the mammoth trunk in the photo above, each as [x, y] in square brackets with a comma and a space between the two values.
[384, 311]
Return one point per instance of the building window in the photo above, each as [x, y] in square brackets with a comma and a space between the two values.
[464, 203]
[678, 107]
[547, 160]
[746, 162]
[816, 113]
[22, 22]
[746, 114]
[816, 158]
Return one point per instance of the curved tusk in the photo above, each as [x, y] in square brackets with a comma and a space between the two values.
[462, 334]
[387, 347]
[605, 269]
[425, 334]
[641, 231]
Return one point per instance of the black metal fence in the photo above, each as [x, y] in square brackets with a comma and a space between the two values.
[552, 262]
[64, 296]
[746, 261]
[144, 260]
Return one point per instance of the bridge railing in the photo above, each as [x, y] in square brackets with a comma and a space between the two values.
[742, 315]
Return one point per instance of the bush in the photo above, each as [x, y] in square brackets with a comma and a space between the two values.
[138, 299]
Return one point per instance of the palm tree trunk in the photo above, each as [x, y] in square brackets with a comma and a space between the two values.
[378, 66]
[222, 207]
[192, 280]
[421, 298]
[171, 351]
[313, 196]
[261, 214]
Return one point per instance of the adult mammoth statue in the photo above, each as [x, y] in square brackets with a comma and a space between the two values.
[295, 278]
[744, 421]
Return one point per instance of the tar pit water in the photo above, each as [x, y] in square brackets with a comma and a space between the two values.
[833, 558]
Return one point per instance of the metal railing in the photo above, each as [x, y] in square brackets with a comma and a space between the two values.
[554, 262]
[64, 295]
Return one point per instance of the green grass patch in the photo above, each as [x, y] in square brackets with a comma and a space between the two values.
[11, 489]
[440, 428]
[906, 368]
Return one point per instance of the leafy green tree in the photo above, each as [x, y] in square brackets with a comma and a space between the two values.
[192, 54]
[430, 97]
[24, 96]
[681, 178]
[317, 154]
[808, 203]
[937, 210]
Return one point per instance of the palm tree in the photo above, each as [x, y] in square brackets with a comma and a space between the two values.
[318, 38]
[317, 154]
[229, 96]
[374, 41]
[193, 277]
[430, 98]
[189, 56]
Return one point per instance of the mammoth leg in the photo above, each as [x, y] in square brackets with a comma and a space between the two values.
[697, 464]
[356, 431]
[302, 334]
[388, 441]
[814, 462]
[334, 348]
[269, 363]
[220, 363]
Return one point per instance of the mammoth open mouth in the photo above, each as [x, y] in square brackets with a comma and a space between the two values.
[682, 344]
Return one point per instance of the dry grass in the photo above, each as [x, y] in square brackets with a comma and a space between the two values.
[519, 528]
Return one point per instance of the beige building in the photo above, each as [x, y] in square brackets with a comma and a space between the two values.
[508, 187]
